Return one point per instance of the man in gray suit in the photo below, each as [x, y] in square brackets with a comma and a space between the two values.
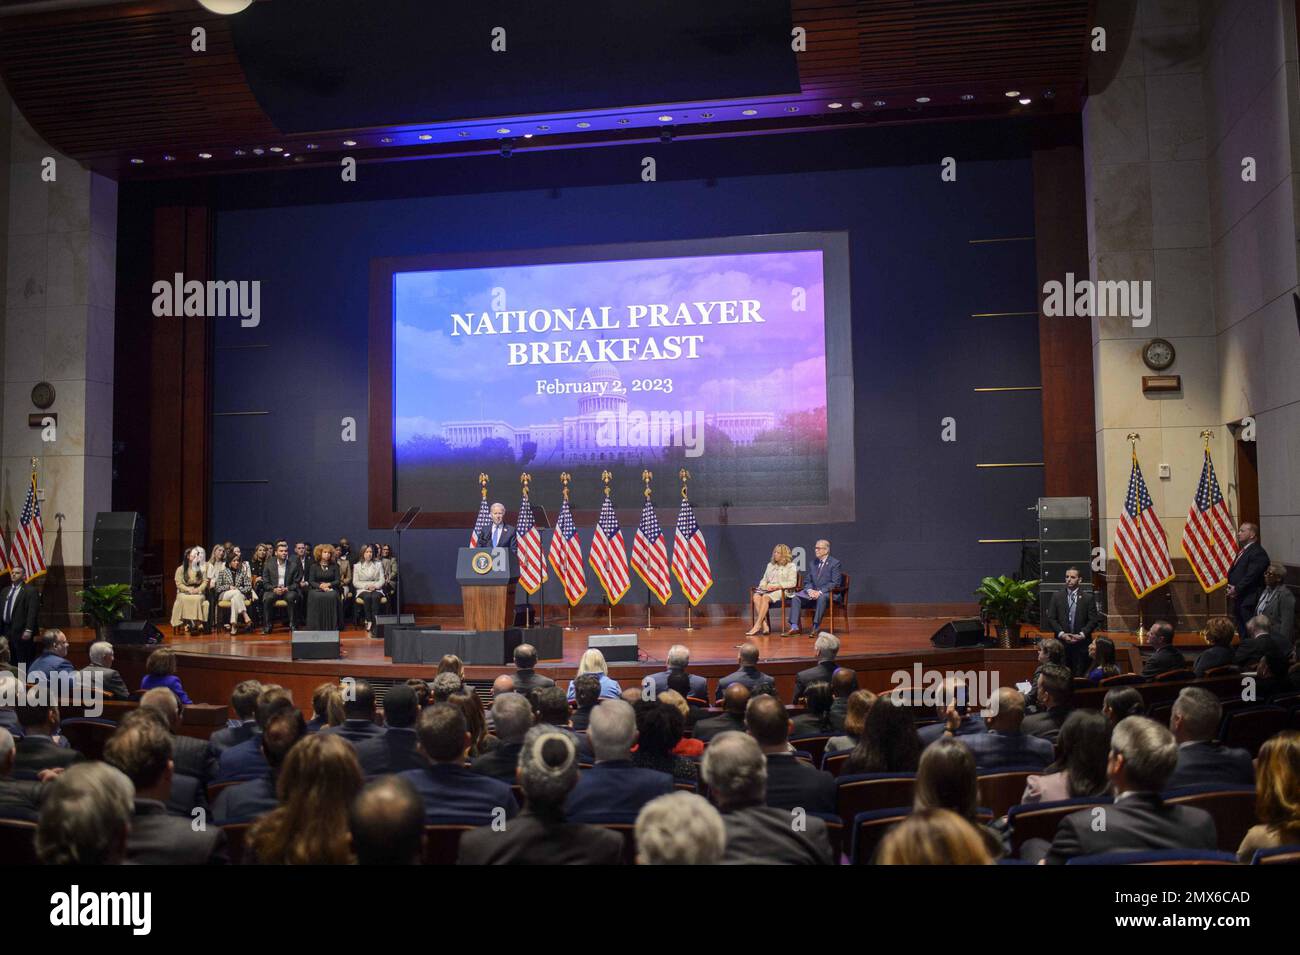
[101, 662]
[1278, 603]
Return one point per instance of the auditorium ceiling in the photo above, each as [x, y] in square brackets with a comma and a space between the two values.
[122, 87]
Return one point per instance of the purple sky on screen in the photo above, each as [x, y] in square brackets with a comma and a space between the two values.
[775, 366]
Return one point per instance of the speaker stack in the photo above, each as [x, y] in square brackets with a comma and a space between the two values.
[1064, 541]
[117, 551]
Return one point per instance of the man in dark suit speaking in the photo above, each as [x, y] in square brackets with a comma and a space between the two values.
[824, 575]
[1072, 617]
[1246, 575]
[499, 533]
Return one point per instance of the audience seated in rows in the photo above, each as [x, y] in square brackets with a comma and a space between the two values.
[748, 675]
[946, 779]
[1194, 721]
[317, 784]
[791, 782]
[680, 828]
[1277, 796]
[615, 788]
[246, 760]
[449, 791]
[247, 801]
[734, 700]
[1164, 657]
[855, 719]
[1003, 744]
[827, 648]
[1080, 766]
[86, 817]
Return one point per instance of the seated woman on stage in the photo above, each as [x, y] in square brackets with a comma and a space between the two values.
[323, 590]
[160, 670]
[191, 609]
[390, 569]
[593, 662]
[368, 579]
[235, 584]
[1102, 653]
[781, 575]
[218, 560]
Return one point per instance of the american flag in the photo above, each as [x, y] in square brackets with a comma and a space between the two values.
[650, 555]
[1208, 541]
[691, 556]
[608, 555]
[566, 555]
[481, 525]
[1140, 542]
[532, 569]
[29, 541]
[5, 565]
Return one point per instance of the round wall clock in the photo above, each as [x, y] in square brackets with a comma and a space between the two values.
[1158, 354]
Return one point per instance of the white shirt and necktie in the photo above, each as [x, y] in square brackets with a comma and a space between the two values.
[9, 605]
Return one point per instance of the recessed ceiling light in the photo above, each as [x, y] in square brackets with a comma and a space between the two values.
[923, 99]
[528, 135]
[287, 155]
[879, 102]
[258, 151]
[277, 149]
[297, 159]
[665, 118]
[543, 128]
[240, 152]
[463, 132]
[792, 109]
[426, 137]
[856, 104]
[503, 130]
[1012, 94]
[137, 162]
[1024, 101]
[312, 146]
[749, 112]
[584, 125]
[349, 142]
[386, 139]
[624, 121]
[967, 97]
[205, 155]
[706, 115]
[168, 157]
[835, 105]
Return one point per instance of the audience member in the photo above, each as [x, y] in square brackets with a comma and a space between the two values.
[687, 746]
[86, 817]
[359, 714]
[476, 721]
[160, 670]
[735, 770]
[679, 829]
[142, 749]
[19, 798]
[1050, 650]
[1219, 632]
[816, 720]
[889, 742]
[1142, 757]
[946, 779]
[855, 720]
[36, 749]
[1004, 745]
[54, 656]
[960, 717]
[326, 707]
[614, 789]
[445, 685]
[1121, 703]
[526, 677]
[1258, 642]
[659, 727]
[540, 835]
[512, 716]
[451, 792]
[586, 695]
[387, 823]
[243, 700]
[843, 685]
[1055, 690]
[246, 760]
[1080, 767]
[421, 689]
[679, 658]
[1101, 654]
[450, 663]
[1194, 721]
[827, 648]
[1164, 657]
[317, 784]
[101, 668]
[934, 837]
[192, 756]
[1277, 796]
[593, 662]
[397, 750]
[245, 802]
[749, 674]
[732, 718]
[791, 783]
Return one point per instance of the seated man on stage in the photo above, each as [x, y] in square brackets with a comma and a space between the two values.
[499, 533]
[824, 575]
[279, 582]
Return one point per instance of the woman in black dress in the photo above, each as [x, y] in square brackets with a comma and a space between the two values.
[323, 590]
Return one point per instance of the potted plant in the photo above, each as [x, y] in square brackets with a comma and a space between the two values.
[106, 605]
[1006, 600]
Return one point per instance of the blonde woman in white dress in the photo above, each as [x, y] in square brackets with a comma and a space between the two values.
[190, 610]
[780, 575]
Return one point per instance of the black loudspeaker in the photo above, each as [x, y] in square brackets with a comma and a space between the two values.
[959, 633]
[140, 632]
[1064, 541]
[117, 549]
[617, 647]
[315, 645]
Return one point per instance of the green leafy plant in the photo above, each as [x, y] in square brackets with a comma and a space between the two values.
[106, 605]
[1006, 600]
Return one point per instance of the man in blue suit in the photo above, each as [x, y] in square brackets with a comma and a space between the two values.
[359, 715]
[614, 790]
[1003, 745]
[451, 792]
[1194, 721]
[246, 801]
[679, 657]
[398, 749]
[823, 576]
[247, 760]
[54, 655]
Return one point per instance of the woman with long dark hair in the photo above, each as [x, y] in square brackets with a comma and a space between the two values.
[1080, 769]
[889, 742]
[1102, 653]
[317, 784]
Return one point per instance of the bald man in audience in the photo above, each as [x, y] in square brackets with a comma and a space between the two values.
[735, 771]
[387, 823]
[191, 756]
[512, 715]
[749, 674]
[734, 700]
[526, 677]
[1004, 745]
[791, 783]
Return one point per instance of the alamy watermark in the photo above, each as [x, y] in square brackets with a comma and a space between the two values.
[84, 690]
[176, 297]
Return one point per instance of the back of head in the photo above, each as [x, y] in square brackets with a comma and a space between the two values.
[244, 698]
[552, 706]
[586, 690]
[162, 700]
[1058, 682]
[1083, 745]
[272, 701]
[512, 717]
[818, 698]
[1054, 649]
[387, 823]
[855, 716]
[1161, 633]
[359, 700]
[505, 683]
[679, 829]
[442, 730]
[1196, 715]
[1124, 701]
[748, 655]
[444, 685]
[316, 786]
[659, 727]
[612, 730]
[85, 816]
[945, 778]
[1149, 751]
[889, 743]
[100, 651]
[678, 656]
[281, 732]
[933, 837]
[1220, 631]
[735, 771]
[1011, 710]
[1277, 784]
[1259, 624]
[826, 646]
[679, 681]
[593, 661]
[842, 681]
[548, 769]
[735, 698]
[767, 721]
[401, 706]
[141, 747]
[525, 656]
[327, 703]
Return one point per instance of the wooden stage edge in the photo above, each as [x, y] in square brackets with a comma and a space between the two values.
[875, 648]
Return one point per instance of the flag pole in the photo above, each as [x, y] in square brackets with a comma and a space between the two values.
[609, 604]
[564, 481]
[685, 476]
[1141, 634]
[646, 476]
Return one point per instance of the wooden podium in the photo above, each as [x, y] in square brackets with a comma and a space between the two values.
[487, 587]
